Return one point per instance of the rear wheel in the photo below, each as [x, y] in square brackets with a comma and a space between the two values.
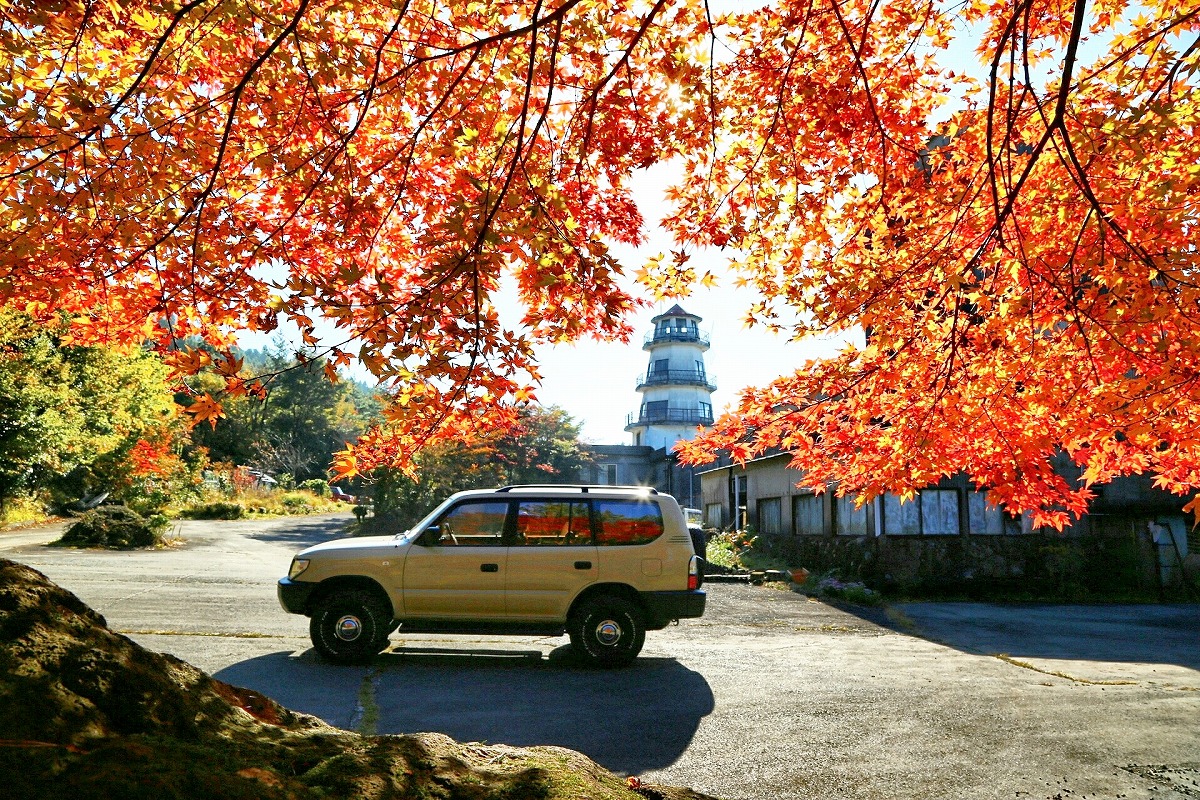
[607, 631]
[350, 626]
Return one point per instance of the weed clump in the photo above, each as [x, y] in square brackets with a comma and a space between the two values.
[117, 527]
[833, 587]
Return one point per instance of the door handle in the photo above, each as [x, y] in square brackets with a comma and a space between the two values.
[583, 565]
[489, 567]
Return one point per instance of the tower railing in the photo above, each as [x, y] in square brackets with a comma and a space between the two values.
[676, 335]
[677, 377]
[661, 415]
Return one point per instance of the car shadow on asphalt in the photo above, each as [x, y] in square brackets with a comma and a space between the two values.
[1146, 634]
[631, 720]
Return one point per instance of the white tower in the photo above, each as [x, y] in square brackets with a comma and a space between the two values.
[676, 391]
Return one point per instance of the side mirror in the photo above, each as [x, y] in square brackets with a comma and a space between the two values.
[430, 536]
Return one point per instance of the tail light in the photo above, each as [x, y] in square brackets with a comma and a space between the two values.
[694, 573]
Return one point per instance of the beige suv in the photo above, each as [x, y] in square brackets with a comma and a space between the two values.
[603, 563]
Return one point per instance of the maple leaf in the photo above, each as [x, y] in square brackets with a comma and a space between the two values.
[205, 408]
[345, 465]
[188, 362]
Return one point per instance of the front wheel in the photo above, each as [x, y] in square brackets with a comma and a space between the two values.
[349, 627]
[607, 631]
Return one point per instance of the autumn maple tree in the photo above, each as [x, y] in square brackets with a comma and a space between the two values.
[1002, 194]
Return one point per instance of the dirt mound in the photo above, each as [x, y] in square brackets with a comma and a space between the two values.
[87, 713]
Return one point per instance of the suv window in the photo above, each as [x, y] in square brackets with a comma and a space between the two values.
[620, 522]
[548, 523]
[473, 525]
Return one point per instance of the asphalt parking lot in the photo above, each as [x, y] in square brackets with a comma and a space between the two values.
[770, 695]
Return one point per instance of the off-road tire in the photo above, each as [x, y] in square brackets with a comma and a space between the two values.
[607, 631]
[350, 626]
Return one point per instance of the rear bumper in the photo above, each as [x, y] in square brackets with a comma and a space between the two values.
[294, 595]
[665, 607]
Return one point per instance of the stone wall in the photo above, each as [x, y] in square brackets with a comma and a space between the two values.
[1114, 557]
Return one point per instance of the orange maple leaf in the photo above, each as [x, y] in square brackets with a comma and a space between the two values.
[345, 465]
[206, 407]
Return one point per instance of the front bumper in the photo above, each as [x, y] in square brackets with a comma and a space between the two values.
[294, 595]
[665, 607]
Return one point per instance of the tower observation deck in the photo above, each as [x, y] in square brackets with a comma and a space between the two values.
[676, 389]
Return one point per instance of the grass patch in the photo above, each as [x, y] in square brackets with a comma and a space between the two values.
[903, 622]
[1026, 665]
[259, 503]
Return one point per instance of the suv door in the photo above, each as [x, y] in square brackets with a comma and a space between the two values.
[459, 571]
[551, 560]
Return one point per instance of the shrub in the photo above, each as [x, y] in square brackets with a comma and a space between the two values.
[219, 510]
[315, 485]
[117, 527]
[295, 503]
[850, 591]
[720, 552]
[22, 509]
[736, 550]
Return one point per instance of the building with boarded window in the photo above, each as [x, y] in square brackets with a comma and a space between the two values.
[949, 537]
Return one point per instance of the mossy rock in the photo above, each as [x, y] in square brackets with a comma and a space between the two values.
[86, 713]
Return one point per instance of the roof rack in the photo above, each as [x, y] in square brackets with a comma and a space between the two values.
[576, 486]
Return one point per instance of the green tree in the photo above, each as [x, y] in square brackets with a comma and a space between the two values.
[543, 447]
[78, 420]
[39, 424]
[298, 422]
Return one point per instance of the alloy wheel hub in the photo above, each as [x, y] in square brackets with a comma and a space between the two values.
[348, 628]
[608, 632]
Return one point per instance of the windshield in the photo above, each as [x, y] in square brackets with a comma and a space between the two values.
[419, 528]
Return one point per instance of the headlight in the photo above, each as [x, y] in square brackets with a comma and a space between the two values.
[298, 566]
